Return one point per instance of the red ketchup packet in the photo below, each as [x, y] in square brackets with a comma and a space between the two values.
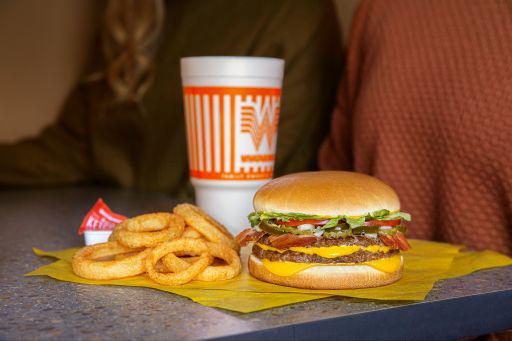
[100, 218]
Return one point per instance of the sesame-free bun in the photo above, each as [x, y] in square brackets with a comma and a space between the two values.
[327, 277]
[326, 193]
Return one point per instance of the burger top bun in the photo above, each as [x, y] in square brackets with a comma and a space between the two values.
[326, 193]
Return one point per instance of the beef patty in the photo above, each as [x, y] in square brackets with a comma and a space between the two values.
[299, 257]
[323, 242]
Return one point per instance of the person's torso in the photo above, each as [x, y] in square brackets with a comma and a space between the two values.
[433, 118]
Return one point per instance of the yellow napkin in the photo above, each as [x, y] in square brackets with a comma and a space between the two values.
[426, 263]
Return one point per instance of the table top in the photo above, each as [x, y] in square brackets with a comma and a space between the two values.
[43, 308]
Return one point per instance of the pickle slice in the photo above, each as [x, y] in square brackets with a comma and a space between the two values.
[281, 229]
[332, 232]
[400, 228]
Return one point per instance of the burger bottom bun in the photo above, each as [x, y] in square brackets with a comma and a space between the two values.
[327, 277]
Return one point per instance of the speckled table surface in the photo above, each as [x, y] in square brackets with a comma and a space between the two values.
[43, 308]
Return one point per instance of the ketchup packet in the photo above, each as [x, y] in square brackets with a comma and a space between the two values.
[100, 218]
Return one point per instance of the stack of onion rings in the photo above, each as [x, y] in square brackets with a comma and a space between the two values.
[172, 248]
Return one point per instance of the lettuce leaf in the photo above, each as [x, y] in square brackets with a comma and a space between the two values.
[397, 215]
[333, 222]
[355, 221]
[256, 217]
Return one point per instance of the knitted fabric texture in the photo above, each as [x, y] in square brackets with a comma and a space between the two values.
[426, 105]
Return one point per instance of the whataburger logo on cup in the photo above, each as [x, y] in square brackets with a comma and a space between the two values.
[232, 131]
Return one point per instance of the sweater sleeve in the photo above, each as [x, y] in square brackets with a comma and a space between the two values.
[58, 156]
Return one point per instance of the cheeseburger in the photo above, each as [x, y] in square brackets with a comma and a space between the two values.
[326, 230]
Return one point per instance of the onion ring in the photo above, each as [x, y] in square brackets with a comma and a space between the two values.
[212, 272]
[127, 254]
[160, 267]
[173, 229]
[112, 237]
[181, 277]
[173, 263]
[86, 265]
[206, 225]
[191, 232]
[150, 222]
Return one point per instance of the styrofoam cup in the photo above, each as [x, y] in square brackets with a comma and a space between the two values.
[231, 113]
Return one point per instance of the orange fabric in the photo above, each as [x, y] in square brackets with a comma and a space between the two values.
[426, 105]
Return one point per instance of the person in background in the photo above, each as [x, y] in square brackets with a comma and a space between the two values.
[124, 124]
[425, 105]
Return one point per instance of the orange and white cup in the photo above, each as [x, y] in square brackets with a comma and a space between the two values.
[231, 114]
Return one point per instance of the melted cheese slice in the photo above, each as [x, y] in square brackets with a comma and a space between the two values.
[330, 251]
[388, 265]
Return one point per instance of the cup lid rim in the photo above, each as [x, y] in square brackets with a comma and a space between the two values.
[232, 66]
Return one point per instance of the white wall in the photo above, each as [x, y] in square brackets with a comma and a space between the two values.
[43, 45]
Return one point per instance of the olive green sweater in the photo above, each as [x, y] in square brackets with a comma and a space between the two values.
[143, 145]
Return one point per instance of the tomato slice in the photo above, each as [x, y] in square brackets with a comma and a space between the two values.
[383, 222]
[305, 221]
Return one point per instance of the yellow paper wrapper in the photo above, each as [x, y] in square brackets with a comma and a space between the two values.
[244, 302]
[467, 262]
[426, 263]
